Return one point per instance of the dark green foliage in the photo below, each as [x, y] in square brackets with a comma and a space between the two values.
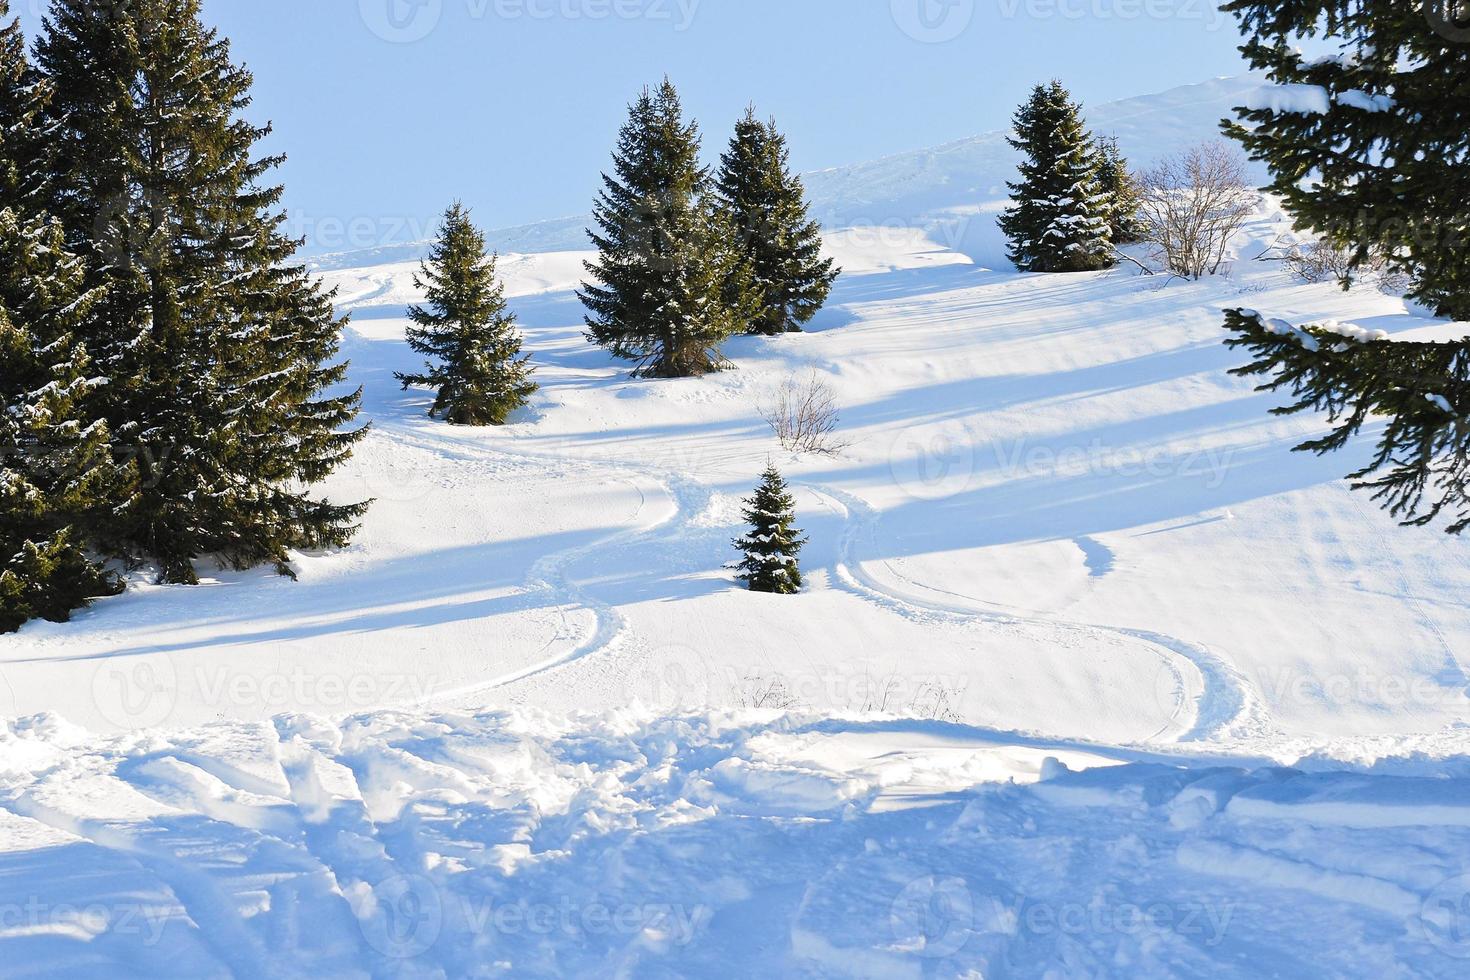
[766, 204]
[1382, 171]
[58, 481]
[670, 285]
[23, 157]
[1058, 219]
[50, 580]
[773, 545]
[1422, 463]
[476, 367]
[57, 478]
[219, 350]
[1123, 193]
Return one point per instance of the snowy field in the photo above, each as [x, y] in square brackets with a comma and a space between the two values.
[1092, 677]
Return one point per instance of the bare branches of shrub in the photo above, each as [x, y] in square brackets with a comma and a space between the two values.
[1328, 261]
[804, 416]
[1192, 204]
[764, 693]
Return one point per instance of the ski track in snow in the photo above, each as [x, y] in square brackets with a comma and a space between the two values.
[550, 573]
[1227, 705]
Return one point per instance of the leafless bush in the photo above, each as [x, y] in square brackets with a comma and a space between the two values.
[759, 692]
[1193, 203]
[1326, 261]
[804, 416]
[935, 701]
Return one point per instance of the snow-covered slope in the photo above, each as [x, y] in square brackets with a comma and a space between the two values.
[951, 192]
[456, 845]
[1057, 513]
[530, 702]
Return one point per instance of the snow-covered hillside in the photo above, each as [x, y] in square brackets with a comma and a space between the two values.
[951, 192]
[528, 724]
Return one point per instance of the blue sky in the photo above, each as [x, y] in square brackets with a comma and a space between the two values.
[389, 109]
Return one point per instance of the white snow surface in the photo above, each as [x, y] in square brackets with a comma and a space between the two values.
[1092, 675]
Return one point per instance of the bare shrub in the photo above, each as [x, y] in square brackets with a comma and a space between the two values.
[804, 416]
[936, 702]
[1327, 261]
[1320, 261]
[760, 692]
[1192, 204]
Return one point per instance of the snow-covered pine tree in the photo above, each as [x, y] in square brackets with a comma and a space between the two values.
[471, 338]
[766, 204]
[1381, 131]
[1369, 148]
[1058, 219]
[57, 478]
[670, 285]
[773, 545]
[1118, 183]
[24, 166]
[219, 349]
[1421, 469]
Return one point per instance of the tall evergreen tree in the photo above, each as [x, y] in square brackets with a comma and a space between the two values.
[773, 546]
[1123, 193]
[23, 159]
[766, 204]
[1370, 154]
[1058, 219]
[58, 482]
[476, 367]
[57, 478]
[219, 350]
[670, 285]
[1377, 162]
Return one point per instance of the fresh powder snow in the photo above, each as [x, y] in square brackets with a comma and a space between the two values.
[1091, 675]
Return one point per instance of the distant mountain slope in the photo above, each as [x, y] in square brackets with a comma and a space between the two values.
[950, 191]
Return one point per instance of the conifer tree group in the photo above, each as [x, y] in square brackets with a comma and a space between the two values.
[686, 262]
[773, 544]
[1064, 209]
[1388, 179]
[477, 368]
[172, 396]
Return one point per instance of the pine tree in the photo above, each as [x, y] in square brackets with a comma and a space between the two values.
[56, 475]
[23, 158]
[477, 367]
[1123, 193]
[670, 285]
[1058, 221]
[766, 204]
[219, 350]
[1369, 153]
[1421, 469]
[1375, 160]
[773, 545]
[58, 482]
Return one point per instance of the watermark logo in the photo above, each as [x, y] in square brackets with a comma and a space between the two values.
[934, 917]
[135, 694]
[933, 465]
[1445, 917]
[933, 21]
[401, 21]
[403, 917]
[1450, 19]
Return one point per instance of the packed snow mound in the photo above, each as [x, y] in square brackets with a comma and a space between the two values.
[412, 844]
[952, 192]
